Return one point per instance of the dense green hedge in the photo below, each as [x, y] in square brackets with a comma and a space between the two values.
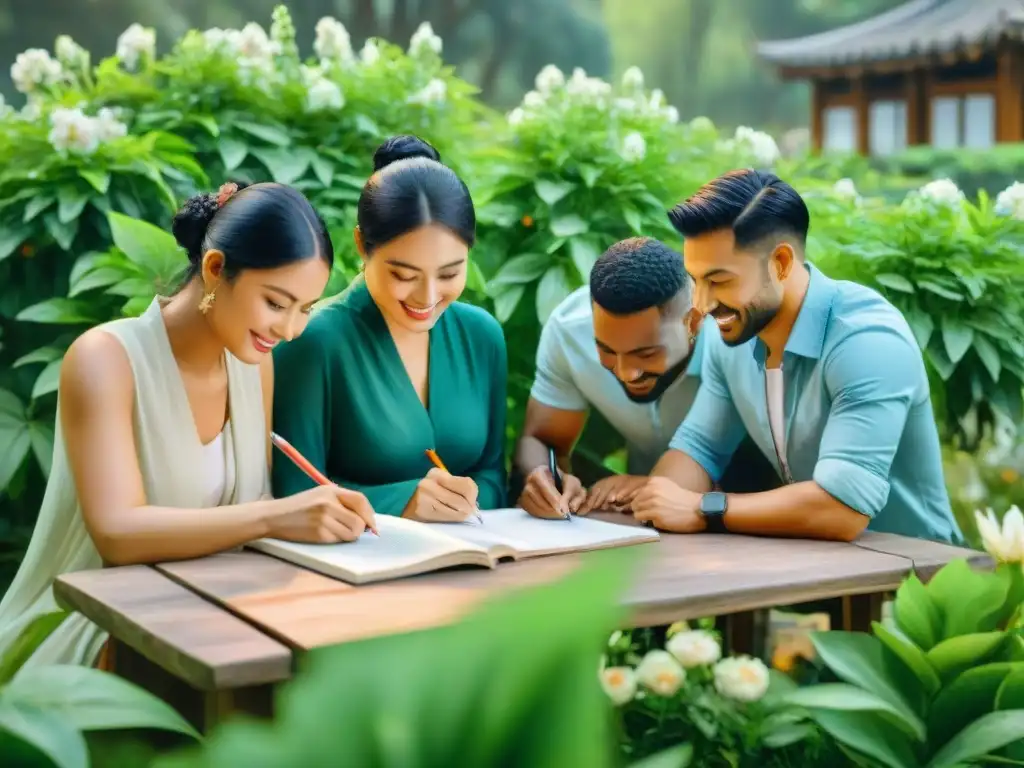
[580, 164]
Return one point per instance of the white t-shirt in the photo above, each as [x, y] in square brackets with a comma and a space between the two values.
[570, 377]
[776, 396]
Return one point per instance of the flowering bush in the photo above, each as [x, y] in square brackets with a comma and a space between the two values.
[730, 711]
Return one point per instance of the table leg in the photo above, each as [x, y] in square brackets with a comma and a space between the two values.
[860, 610]
[745, 632]
[203, 709]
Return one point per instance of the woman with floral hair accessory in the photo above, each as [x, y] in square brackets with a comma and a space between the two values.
[162, 442]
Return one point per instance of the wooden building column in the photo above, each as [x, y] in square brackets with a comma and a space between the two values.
[862, 105]
[1010, 98]
[917, 108]
[817, 115]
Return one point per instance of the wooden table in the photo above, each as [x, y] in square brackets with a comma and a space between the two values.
[217, 634]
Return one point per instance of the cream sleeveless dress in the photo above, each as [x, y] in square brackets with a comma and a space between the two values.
[177, 471]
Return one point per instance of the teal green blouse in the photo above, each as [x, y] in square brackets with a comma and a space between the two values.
[343, 398]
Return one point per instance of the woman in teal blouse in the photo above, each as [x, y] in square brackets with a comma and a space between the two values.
[396, 365]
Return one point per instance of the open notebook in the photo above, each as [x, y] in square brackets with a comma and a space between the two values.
[406, 548]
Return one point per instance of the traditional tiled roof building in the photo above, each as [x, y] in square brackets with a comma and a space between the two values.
[949, 73]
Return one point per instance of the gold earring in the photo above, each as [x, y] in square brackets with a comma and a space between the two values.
[207, 302]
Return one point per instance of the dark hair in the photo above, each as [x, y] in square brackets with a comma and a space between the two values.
[410, 188]
[258, 226]
[756, 205]
[637, 274]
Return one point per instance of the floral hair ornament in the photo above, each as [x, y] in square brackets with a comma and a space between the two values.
[225, 192]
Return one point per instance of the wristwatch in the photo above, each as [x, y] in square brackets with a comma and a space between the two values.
[712, 509]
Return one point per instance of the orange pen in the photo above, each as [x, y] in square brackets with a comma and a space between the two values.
[436, 460]
[304, 464]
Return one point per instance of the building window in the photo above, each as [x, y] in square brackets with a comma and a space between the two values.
[839, 129]
[888, 127]
[964, 121]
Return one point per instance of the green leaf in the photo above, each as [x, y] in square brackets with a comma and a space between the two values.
[70, 202]
[589, 174]
[911, 655]
[27, 641]
[63, 232]
[98, 180]
[842, 697]
[568, 226]
[269, 133]
[12, 236]
[47, 380]
[506, 301]
[48, 732]
[956, 337]
[208, 122]
[41, 437]
[989, 356]
[1011, 693]
[679, 756]
[859, 659]
[59, 311]
[895, 282]
[551, 291]
[633, 219]
[36, 206]
[933, 287]
[39, 355]
[980, 612]
[15, 438]
[870, 735]
[91, 700]
[936, 355]
[968, 697]
[146, 245]
[584, 255]
[524, 268]
[552, 191]
[286, 166]
[232, 152]
[100, 277]
[323, 169]
[982, 737]
[951, 657]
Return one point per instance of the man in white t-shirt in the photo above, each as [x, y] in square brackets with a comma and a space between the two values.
[630, 346]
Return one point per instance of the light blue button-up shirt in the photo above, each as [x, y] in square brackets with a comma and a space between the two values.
[858, 413]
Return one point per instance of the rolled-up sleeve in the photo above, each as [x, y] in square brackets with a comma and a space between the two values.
[713, 428]
[873, 377]
[553, 384]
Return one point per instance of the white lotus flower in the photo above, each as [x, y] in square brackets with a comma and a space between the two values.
[74, 131]
[1004, 542]
[762, 146]
[434, 92]
[35, 68]
[333, 41]
[549, 79]
[135, 43]
[942, 192]
[694, 648]
[633, 79]
[1010, 202]
[634, 147]
[660, 672]
[424, 40]
[741, 678]
[370, 54]
[619, 683]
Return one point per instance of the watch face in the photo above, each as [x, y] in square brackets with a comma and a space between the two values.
[713, 503]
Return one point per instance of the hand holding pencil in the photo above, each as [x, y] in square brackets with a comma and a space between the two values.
[442, 497]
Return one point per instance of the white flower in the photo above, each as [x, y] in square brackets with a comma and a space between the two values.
[533, 100]
[741, 678]
[759, 144]
[333, 41]
[549, 79]
[1010, 202]
[589, 89]
[135, 43]
[4, 109]
[109, 126]
[370, 54]
[661, 673]
[633, 79]
[35, 68]
[634, 148]
[845, 189]
[434, 92]
[1005, 543]
[516, 116]
[226, 41]
[942, 192]
[671, 114]
[694, 648]
[424, 40]
[73, 131]
[657, 100]
[702, 124]
[324, 94]
[31, 112]
[255, 45]
[619, 683]
[69, 53]
[626, 106]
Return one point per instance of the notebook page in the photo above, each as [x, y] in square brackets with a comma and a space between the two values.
[403, 548]
[530, 535]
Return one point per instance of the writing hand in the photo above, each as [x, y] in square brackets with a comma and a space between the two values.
[442, 498]
[326, 514]
[541, 499]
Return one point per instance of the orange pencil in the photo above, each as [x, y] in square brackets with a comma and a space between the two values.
[303, 463]
[436, 460]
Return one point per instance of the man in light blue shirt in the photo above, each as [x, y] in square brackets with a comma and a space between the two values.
[824, 375]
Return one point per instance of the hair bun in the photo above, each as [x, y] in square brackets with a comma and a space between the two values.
[193, 219]
[401, 148]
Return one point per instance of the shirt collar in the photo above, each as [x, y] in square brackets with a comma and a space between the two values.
[807, 338]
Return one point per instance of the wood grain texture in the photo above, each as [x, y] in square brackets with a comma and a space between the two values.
[190, 637]
[682, 577]
[926, 556]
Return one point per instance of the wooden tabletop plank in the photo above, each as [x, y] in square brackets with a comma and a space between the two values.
[927, 556]
[681, 577]
[175, 628]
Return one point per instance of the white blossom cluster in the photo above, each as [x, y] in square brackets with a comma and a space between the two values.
[761, 147]
[136, 44]
[1010, 202]
[35, 69]
[940, 193]
[74, 132]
